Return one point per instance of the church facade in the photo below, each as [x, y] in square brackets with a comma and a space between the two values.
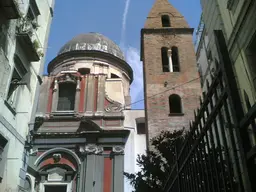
[85, 134]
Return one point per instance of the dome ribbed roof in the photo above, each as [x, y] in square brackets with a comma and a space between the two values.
[92, 41]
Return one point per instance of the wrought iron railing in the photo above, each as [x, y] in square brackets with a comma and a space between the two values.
[216, 155]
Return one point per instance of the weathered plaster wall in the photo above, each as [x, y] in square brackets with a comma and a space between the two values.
[14, 121]
[135, 145]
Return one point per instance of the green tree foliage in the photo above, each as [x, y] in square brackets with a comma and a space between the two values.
[211, 168]
[156, 163]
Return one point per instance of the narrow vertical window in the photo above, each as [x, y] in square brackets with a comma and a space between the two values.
[175, 59]
[165, 59]
[166, 21]
[67, 93]
[175, 104]
[141, 128]
[3, 155]
[251, 58]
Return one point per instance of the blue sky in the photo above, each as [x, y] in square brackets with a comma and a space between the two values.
[107, 17]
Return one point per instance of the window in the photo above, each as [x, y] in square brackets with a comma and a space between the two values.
[141, 128]
[84, 71]
[3, 155]
[175, 104]
[19, 72]
[166, 21]
[67, 93]
[232, 5]
[114, 76]
[27, 185]
[251, 58]
[165, 59]
[175, 60]
[33, 12]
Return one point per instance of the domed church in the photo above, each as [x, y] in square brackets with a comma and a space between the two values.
[85, 132]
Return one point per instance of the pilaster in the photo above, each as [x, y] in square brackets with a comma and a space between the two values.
[55, 96]
[118, 165]
[101, 95]
[90, 96]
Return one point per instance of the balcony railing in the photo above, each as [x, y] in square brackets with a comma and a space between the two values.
[10, 9]
[27, 37]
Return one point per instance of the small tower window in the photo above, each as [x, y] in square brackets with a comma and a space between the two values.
[141, 128]
[84, 71]
[175, 104]
[165, 59]
[166, 21]
[114, 76]
[175, 60]
[67, 93]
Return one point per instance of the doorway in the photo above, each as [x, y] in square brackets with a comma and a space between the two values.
[55, 188]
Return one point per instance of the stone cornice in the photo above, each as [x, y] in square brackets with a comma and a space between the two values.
[86, 54]
[167, 30]
[102, 133]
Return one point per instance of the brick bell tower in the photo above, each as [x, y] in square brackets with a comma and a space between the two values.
[171, 81]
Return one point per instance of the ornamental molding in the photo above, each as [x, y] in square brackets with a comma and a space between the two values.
[67, 77]
[118, 150]
[113, 106]
[56, 157]
[91, 149]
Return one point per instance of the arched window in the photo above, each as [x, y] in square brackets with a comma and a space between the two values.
[166, 21]
[165, 59]
[175, 59]
[67, 94]
[175, 104]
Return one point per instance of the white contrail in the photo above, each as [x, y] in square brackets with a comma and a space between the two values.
[126, 9]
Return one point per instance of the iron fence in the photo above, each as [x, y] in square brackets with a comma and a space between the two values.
[217, 154]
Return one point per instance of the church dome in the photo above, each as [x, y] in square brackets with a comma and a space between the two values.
[93, 41]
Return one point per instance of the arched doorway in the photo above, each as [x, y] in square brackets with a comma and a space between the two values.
[58, 169]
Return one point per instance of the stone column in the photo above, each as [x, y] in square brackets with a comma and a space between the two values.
[55, 96]
[90, 96]
[81, 171]
[118, 155]
[77, 98]
[101, 95]
[170, 60]
[93, 176]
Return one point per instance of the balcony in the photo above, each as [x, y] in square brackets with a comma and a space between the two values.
[27, 37]
[10, 9]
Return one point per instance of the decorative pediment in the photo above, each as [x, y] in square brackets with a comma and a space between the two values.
[56, 174]
[67, 77]
[112, 106]
[88, 125]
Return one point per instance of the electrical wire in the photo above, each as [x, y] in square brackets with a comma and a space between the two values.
[162, 92]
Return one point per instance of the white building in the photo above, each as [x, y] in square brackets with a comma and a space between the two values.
[24, 29]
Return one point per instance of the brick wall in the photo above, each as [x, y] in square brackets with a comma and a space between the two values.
[157, 106]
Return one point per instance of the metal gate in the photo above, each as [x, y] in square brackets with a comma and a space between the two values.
[218, 153]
